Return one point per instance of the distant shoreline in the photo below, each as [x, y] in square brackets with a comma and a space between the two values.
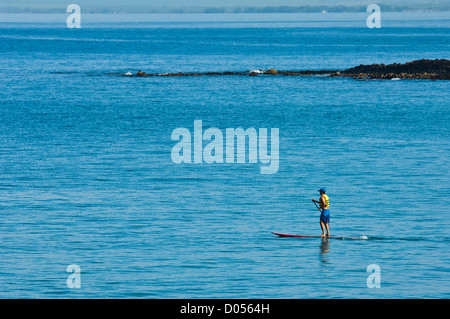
[219, 20]
[235, 9]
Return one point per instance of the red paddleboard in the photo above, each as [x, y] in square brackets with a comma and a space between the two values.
[305, 236]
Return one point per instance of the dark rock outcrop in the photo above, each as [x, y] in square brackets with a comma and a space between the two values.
[419, 69]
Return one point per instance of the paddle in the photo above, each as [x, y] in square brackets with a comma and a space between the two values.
[316, 205]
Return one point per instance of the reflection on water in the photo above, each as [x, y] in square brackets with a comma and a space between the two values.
[324, 249]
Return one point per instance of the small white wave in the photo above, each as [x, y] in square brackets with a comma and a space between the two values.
[258, 71]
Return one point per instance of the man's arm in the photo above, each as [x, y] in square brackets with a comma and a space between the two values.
[322, 200]
[315, 201]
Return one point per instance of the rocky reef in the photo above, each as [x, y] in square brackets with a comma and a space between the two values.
[438, 69]
[244, 73]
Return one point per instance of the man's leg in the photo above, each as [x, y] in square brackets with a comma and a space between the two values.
[328, 229]
[323, 229]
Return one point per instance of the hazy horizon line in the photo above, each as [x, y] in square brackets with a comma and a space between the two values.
[230, 9]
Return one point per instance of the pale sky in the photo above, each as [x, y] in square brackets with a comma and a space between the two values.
[203, 3]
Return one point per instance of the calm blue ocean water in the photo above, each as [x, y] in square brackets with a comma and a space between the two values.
[86, 175]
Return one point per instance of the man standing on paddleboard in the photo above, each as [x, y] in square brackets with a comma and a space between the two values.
[324, 203]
